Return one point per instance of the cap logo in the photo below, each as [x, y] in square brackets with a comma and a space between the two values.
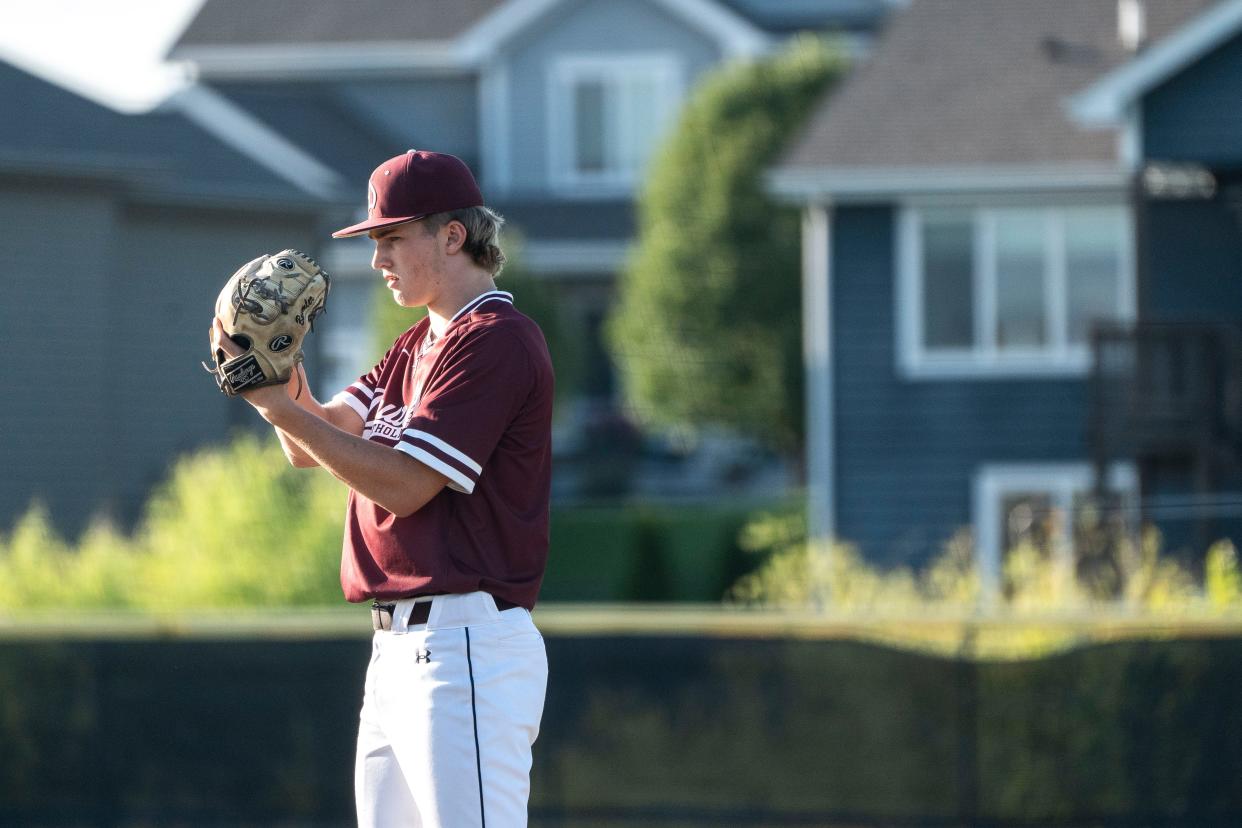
[372, 196]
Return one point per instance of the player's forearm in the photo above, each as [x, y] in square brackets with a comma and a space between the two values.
[338, 416]
[398, 483]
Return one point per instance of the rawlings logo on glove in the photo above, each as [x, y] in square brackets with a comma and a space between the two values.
[267, 308]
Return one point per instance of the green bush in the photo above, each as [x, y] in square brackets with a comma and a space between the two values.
[795, 574]
[232, 527]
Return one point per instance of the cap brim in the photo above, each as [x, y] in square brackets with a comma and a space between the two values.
[364, 227]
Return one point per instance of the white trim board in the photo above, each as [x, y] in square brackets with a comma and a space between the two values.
[803, 184]
[235, 127]
[319, 60]
[818, 364]
[735, 35]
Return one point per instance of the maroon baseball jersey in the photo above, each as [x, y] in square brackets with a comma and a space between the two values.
[475, 405]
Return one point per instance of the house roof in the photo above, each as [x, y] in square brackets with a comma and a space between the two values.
[1106, 100]
[239, 38]
[239, 22]
[974, 93]
[163, 154]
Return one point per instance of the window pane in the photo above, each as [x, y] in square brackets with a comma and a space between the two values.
[589, 126]
[1093, 250]
[948, 281]
[642, 121]
[1028, 517]
[1020, 276]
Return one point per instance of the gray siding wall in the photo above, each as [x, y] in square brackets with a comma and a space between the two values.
[427, 113]
[907, 451]
[102, 337]
[54, 337]
[1197, 115]
[589, 27]
[180, 259]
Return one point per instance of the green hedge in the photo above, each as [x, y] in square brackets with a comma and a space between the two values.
[645, 553]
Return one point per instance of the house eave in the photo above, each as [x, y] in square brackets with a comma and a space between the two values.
[736, 36]
[1106, 101]
[320, 60]
[803, 185]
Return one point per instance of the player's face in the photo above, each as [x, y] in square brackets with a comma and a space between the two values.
[411, 262]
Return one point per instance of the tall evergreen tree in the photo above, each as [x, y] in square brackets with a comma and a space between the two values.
[707, 329]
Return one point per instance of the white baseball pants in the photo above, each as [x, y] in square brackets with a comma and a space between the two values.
[449, 714]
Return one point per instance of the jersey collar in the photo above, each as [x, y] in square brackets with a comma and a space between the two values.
[486, 296]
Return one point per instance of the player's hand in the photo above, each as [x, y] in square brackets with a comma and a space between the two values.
[261, 398]
[220, 341]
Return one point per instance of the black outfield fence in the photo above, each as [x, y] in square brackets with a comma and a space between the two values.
[149, 725]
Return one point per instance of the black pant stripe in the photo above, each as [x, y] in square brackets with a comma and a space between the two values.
[474, 711]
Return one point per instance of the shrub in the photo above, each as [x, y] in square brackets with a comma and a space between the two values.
[233, 526]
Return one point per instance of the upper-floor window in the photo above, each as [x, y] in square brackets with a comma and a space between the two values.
[607, 113]
[1008, 290]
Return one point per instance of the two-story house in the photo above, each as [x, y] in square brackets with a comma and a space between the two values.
[996, 245]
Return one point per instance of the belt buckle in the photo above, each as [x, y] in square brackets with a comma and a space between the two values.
[381, 616]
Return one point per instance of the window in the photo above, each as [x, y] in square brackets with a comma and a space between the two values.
[1004, 291]
[606, 115]
[1036, 503]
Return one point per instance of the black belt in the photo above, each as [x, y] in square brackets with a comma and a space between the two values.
[381, 614]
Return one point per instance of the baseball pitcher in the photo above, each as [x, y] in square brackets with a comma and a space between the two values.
[446, 448]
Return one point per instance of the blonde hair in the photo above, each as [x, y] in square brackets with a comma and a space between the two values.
[482, 234]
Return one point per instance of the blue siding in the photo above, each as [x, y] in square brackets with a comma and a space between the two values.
[907, 451]
[1197, 115]
[1194, 251]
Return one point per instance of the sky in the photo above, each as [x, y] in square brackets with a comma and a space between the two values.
[108, 50]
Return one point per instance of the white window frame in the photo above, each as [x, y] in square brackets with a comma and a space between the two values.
[564, 72]
[985, 360]
[1061, 481]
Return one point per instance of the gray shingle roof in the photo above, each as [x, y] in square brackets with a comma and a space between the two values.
[977, 83]
[277, 22]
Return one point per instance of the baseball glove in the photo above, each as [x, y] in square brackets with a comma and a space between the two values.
[267, 307]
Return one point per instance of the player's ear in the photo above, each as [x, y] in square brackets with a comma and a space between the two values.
[454, 236]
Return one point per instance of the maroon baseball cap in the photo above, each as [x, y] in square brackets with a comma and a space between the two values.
[413, 185]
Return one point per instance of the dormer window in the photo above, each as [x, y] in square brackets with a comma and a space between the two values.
[607, 114]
